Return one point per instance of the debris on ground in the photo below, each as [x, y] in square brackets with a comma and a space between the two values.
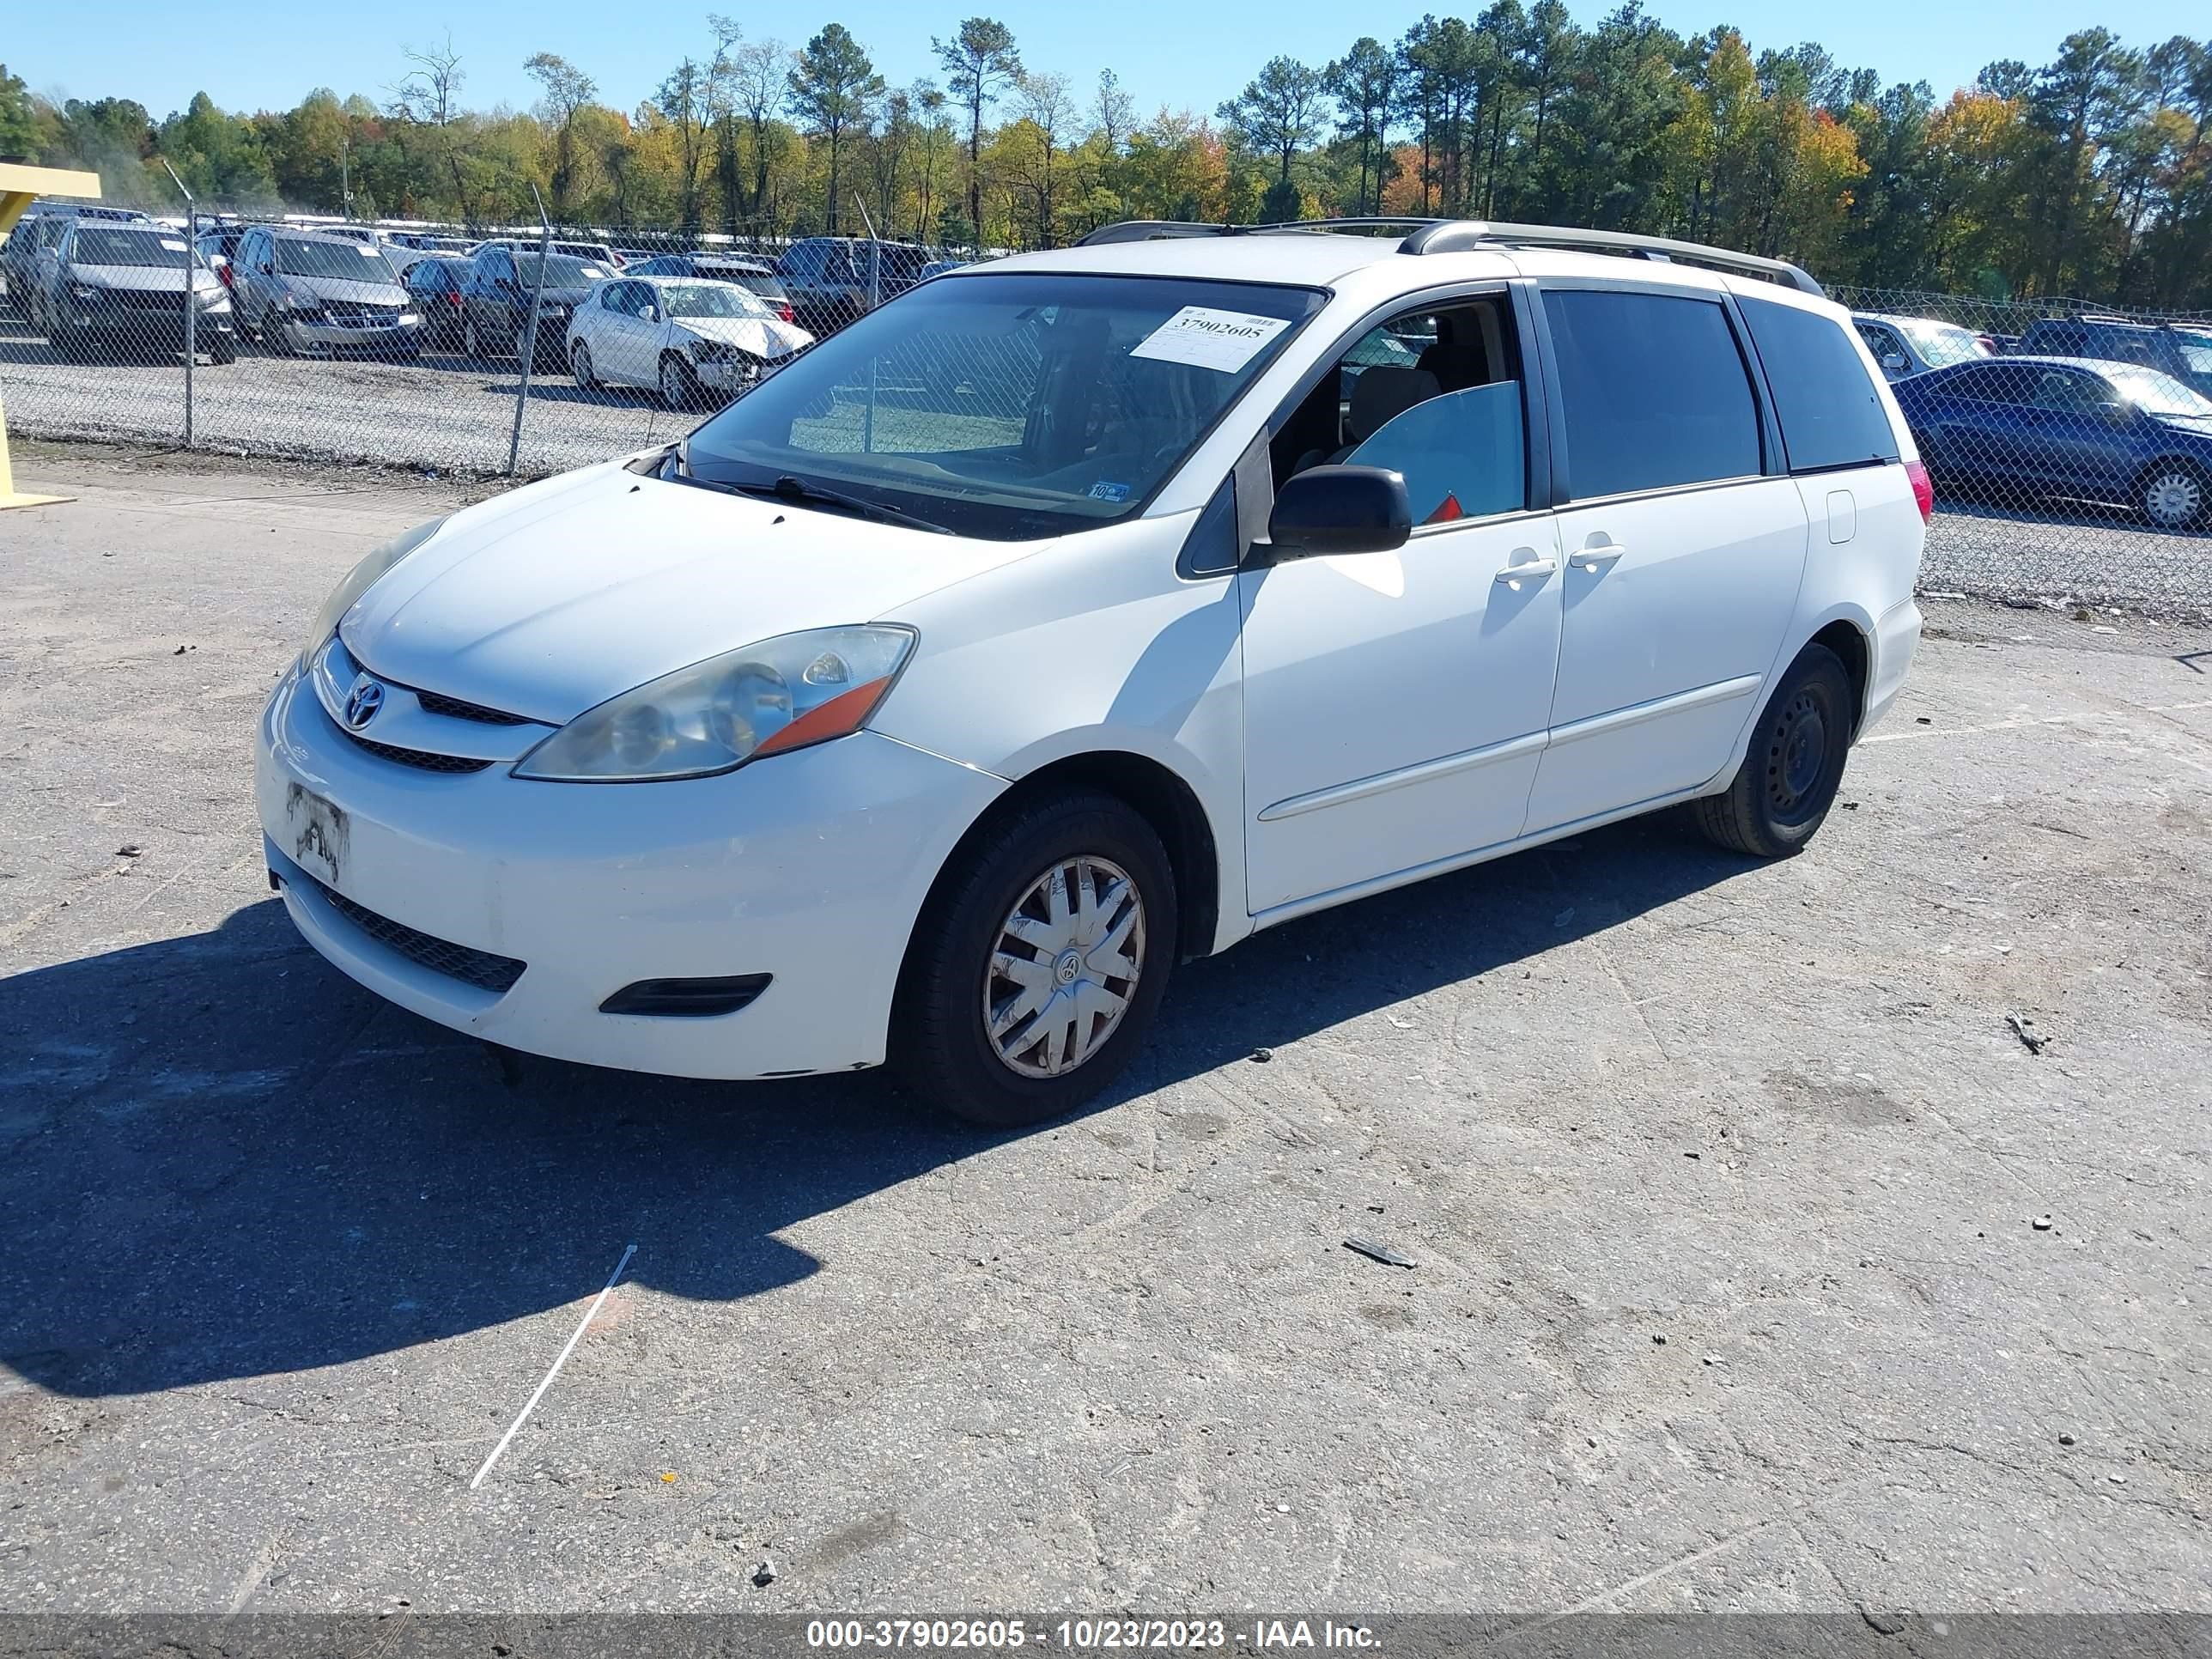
[1261, 1056]
[130, 849]
[1382, 1252]
[2065, 1439]
[1657, 1340]
[2041, 1224]
[2026, 1031]
[765, 1574]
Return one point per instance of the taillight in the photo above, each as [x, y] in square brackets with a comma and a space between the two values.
[453, 298]
[785, 313]
[1923, 489]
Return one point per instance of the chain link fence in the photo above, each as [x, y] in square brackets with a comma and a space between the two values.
[2071, 445]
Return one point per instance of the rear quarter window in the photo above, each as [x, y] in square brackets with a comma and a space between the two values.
[1830, 413]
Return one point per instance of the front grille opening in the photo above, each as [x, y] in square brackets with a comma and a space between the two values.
[421, 759]
[481, 968]
[687, 999]
[437, 702]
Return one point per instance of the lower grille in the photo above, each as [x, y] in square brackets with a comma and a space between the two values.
[481, 968]
[421, 759]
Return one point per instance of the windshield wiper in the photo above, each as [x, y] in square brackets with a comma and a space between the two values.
[801, 493]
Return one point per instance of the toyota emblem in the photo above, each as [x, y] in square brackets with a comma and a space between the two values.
[362, 703]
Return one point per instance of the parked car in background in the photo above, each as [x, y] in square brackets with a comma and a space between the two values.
[2066, 427]
[43, 226]
[1913, 345]
[752, 274]
[938, 267]
[2180, 350]
[433, 285]
[495, 299]
[833, 279]
[697, 343]
[301, 291]
[121, 285]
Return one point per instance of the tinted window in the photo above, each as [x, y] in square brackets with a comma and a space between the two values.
[1829, 412]
[1653, 390]
[1462, 453]
[341, 261]
[1989, 386]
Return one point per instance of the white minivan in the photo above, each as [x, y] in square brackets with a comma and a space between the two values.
[1082, 612]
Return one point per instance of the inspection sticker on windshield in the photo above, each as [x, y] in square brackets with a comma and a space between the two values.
[1199, 335]
[173, 246]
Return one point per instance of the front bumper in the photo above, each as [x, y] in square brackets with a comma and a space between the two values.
[111, 320]
[398, 339]
[810, 867]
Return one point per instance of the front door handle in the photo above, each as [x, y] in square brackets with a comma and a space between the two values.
[1531, 568]
[1595, 559]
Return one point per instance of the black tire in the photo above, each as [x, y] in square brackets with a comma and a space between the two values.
[940, 1035]
[687, 396]
[1782, 791]
[222, 350]
[580, 366]
[472, 345]
[273, 340]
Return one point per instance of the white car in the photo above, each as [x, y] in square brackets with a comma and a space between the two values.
[1913, 345]
[693, 340]
[938, 717]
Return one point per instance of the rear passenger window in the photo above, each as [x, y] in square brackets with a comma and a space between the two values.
[1653, 390]
[1830, 414]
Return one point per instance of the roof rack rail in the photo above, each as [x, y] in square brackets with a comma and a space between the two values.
[1459, 235]
[1454, 236]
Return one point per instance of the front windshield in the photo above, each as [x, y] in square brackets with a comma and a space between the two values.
[561, 270]
[1945, 344]
[1011, 405]
[2155, 393]
[128, 248]
[351, 262]
[711, 299]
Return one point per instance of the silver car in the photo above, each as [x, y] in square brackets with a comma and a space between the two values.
[309, 291]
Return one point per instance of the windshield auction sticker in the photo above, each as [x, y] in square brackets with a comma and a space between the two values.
[1199, 335]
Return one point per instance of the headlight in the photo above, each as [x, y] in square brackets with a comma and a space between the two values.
[362, 578]
[784, 693]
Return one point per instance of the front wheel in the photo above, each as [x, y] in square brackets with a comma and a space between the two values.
[223, 350]
[1789, 775]
[1039, 962]
[473, 346]
[679, 387]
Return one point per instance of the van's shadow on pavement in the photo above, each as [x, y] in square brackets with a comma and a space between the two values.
[222, 1159]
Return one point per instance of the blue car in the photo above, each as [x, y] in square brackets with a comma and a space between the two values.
[2067, 426]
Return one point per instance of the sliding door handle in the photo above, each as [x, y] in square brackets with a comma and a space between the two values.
[1535, 570]
[1595, 559]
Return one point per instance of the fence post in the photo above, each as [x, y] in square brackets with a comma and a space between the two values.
[530, 332]
[192, 295]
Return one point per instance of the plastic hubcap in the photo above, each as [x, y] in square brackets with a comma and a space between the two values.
[1064, 967]
[2173, 498]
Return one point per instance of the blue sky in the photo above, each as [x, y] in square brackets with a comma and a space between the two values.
[252, 54]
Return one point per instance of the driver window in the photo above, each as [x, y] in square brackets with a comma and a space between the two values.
[2060, 391]
[1433, 394]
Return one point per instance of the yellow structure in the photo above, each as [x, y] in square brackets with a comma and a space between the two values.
[19, 187]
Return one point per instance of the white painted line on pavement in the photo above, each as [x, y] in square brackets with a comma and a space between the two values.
[590, 1314]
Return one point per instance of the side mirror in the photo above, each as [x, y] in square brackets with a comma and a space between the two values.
[650, 313]
[1339, 509]
[1893, 361]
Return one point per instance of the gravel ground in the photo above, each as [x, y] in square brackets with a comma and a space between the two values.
[1761, 1265]
[447, 415]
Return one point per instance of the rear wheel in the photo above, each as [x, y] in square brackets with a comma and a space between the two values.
[2173, 494]
[1789, 775]
[580, 365]
[1039, 962]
